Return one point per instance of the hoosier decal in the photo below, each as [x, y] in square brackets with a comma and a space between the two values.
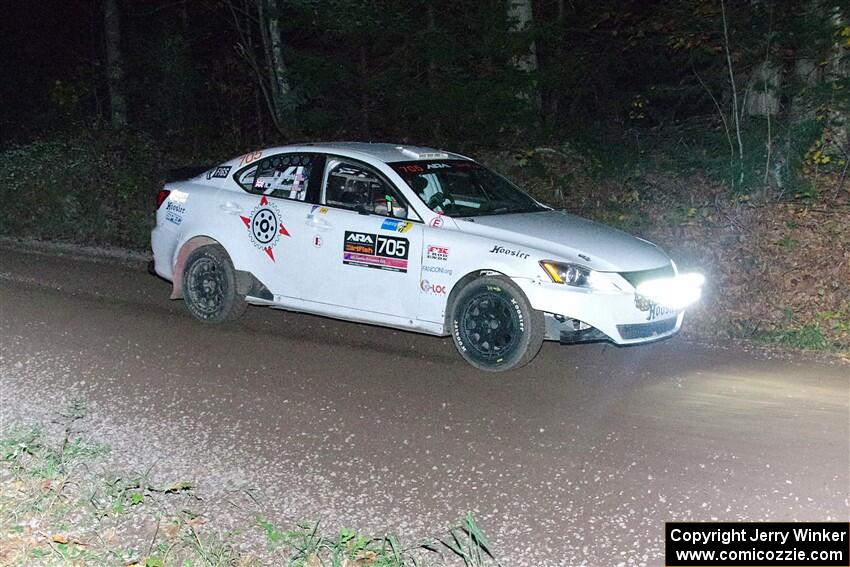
[375, 251]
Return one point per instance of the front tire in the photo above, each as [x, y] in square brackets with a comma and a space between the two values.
[209, 286]
[494, 326]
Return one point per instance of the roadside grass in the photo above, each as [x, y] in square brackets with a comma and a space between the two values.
[61, 505]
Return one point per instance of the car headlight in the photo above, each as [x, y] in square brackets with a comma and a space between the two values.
[577, 276]
[676, 293]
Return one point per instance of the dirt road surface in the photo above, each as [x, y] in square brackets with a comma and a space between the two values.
[577, 459]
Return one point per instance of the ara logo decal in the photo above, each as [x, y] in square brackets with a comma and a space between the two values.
[396, 225]
[265, 226]
[359, 237]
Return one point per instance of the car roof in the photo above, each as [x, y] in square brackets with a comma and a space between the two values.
[385, 152]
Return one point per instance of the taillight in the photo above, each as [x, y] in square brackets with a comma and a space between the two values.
[161, 197]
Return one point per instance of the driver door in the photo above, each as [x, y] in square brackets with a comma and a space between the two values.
[366, 250]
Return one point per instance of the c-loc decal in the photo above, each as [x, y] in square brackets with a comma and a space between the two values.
[375, 251]
[396, 225]
[265, 226]
[220, 171]
[428, 287]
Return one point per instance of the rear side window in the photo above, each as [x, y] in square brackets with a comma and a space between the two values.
[285, 176]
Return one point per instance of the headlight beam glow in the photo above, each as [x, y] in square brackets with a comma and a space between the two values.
[676, 293]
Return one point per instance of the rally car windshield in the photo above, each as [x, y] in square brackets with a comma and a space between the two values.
[459, 188]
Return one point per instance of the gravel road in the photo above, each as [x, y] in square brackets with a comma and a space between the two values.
[577, 459]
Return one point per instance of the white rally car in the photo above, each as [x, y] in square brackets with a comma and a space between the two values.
[413, 238]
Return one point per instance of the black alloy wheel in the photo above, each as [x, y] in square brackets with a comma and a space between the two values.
[493, 325]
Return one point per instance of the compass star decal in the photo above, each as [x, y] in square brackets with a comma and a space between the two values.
[265, 226]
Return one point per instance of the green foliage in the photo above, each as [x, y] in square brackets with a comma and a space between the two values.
[57, 484]
[90, 187]
[805, 337]
[306, 545]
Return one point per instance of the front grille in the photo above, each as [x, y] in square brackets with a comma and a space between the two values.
[646, 330]
[640, 276]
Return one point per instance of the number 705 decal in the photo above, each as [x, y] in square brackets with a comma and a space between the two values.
[375, 251]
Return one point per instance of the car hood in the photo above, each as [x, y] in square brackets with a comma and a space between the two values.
[565, 236]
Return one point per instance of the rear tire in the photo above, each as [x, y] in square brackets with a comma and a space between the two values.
[494, 326]
[209, 286]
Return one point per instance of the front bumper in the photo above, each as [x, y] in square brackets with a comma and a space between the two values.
[578, 315]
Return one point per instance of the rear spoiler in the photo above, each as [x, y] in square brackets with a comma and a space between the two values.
[183, 173]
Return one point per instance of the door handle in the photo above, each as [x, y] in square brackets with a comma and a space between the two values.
[320, 224]
[230, 208]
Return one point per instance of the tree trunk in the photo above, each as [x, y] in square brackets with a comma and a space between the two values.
[522, 18]
[519, 12]
[365, 122]
[436, 122]
[763, 98]
[280, 84]
[114, 64]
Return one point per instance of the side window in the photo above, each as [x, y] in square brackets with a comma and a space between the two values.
[358, 187]
[286, 176]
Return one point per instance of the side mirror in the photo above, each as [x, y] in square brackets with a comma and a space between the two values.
[399, 211]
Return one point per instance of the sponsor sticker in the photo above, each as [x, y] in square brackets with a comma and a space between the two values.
[316, 209]
[658, 312]
[396, 225]
[265, 226]
[175, 208]
[375, 251]
[440, 253]
[174, 212]
[437, 270]
[432, 288]
[508, 252]
[218, 172]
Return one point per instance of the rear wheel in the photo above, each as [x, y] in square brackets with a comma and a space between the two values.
[494, 326]
[209, 286]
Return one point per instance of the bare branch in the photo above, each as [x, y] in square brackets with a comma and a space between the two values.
[734, 91]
